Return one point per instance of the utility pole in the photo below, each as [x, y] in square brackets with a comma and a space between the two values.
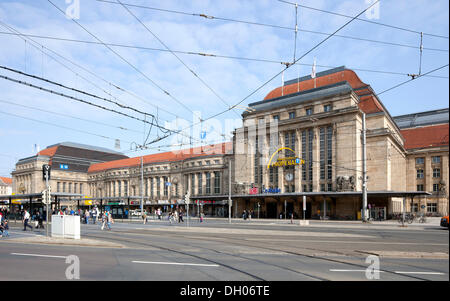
[142, 185]
[364, 176]
[229, 191]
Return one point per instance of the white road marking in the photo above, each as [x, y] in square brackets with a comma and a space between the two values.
[334, 270]
[421, 273]
[177, 263]
[397, 272]
[346, 242]
[39, 255]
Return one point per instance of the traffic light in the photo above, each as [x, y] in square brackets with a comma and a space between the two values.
[46, 170]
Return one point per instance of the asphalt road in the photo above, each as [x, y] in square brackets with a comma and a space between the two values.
[215, 250]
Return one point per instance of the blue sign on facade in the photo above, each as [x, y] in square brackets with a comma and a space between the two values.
[272, 190]
[63, 166]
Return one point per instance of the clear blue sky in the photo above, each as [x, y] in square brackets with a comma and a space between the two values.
[232, 80]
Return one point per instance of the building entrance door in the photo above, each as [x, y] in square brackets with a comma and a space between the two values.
[271, 210]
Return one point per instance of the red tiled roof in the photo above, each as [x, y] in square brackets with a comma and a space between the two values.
[369, 103]
[428, 136]
[48, 151]
[222, 148]
[7, 181]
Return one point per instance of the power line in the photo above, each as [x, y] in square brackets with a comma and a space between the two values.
[364, 20]
[126, 61]
[76, 99]
[15, 32]
[176, 56]
[75, 90]
[211, 55]
[287, 66]
[70, 116]
[418, 76]
[210, 17]
[61, 126]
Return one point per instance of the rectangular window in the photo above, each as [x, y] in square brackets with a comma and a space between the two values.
[420, 161]
[322, 154]
[436, 173]
[322, 187]
[166, 188]
[435, 187]
[70, 187]
[125, 188]
[208, 183]
[420, 174]
[304, 155]
[436, 159]
[305, 188]
[327, 108]
[329, 153]
[58, 187]
[432, 207]
[291, 115]
[193, 183]
[420, 187]
[310, 153]
[309, 111]
[64, 187]
[216, 182]
[330, 187]
[120, 187]
[113, 189]
[200, 184]
[158, 187]
[75, 188]
[81, 188]
[276, 117]
[151, 187]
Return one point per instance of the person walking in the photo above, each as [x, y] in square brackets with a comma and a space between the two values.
[180, 217]
[175, 216]
[86, 216]
[94, 215]
[144, 217]
[104, 218]
[110, 220]
[26, 219]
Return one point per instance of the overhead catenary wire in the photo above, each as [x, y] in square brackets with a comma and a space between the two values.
[126, 61]
[287, 67]
[70, 116]
[75, 90]
[364, 20]
[211, 17]
[75, 98]
[202, 54]
[147, 28]
[61, 126]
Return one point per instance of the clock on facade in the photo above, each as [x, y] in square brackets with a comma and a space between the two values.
[289, 177]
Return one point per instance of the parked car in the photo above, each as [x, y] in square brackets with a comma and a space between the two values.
[444, 222]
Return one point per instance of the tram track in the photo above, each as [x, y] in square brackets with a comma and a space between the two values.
[240, 242]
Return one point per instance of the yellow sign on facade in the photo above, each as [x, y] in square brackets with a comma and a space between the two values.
[290, 161]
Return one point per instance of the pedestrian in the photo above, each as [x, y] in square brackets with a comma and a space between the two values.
[94, 215]
[103, 220]
[110, 220]
[144, 217]
[250, 213]
[159, 213]
[86, 216]
[4, 227]
[26, 219]
[244, 215]
[380, 216]
[201, 217]
[180, 217]
[175, 216]
[292, 217]
[40, 220]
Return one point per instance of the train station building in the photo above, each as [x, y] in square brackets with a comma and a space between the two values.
[302, 139]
